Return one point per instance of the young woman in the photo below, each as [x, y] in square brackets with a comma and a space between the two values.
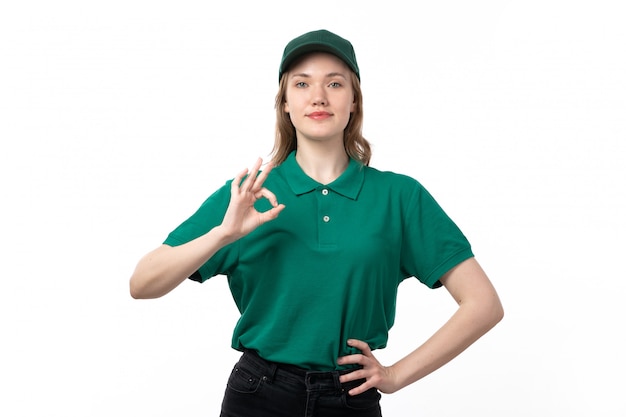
[314, 247]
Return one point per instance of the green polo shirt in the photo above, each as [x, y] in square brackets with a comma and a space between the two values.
[328, 268]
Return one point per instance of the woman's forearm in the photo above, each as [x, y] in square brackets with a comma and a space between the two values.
[164, 268]
[471, 321]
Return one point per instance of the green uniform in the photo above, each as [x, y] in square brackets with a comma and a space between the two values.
[328, 268]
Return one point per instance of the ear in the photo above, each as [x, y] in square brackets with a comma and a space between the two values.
[353, 105]
[286, 107]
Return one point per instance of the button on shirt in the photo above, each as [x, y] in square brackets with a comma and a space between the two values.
[328, 268]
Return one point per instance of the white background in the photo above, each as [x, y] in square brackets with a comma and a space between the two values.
[118, 118]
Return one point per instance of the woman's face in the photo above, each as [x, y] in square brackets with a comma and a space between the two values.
[319, 97]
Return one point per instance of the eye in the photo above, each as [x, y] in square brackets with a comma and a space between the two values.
[301, 84]
[335, 84]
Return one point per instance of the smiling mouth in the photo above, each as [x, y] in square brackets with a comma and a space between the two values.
[318, 115]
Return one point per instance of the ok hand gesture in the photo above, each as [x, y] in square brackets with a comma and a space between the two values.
[241, 216]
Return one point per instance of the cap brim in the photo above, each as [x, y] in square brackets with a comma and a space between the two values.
[307, 48]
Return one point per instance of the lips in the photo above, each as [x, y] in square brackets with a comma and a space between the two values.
[319, 115]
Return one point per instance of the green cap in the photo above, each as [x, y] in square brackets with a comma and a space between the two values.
[319, 41]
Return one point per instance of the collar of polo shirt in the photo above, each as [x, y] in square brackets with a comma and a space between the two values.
[348, 184]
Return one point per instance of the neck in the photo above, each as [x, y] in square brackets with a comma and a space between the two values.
[323, 164]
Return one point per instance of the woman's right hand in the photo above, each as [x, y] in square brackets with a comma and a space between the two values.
[241, 216]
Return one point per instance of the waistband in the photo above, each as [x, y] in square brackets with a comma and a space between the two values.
[308, 377]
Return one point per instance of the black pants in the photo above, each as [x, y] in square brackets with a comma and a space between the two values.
[258, 388]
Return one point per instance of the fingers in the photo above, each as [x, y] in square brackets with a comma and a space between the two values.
[371, 370]
[358, 358]
[251, 179]
[369, 375]
[361, 388]
[264, 192]
[253, 182]
[272, 213]
[247, 188]
[260, 179]
[237, 180]
[360, 345]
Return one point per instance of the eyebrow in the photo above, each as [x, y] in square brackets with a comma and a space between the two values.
[329, 75]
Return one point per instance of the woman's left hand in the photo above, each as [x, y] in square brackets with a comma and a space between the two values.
[375, 375]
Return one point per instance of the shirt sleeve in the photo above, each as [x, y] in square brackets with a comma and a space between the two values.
[210, 214]
[432, 243]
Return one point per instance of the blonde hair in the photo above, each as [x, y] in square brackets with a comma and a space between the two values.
[356, 146]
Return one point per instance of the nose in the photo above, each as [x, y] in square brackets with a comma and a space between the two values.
[318, 96]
